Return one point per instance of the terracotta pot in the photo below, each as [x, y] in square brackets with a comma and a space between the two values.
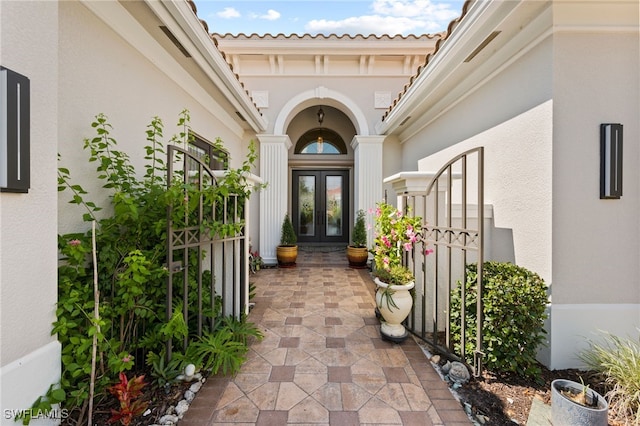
[394, 303]
[357, 257]
[567, 412]
[287, 256]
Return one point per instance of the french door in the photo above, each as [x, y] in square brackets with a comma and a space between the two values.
[320, 205]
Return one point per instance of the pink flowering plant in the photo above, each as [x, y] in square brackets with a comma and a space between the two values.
[395, 233]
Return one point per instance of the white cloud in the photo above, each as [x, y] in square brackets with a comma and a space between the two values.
[271, 15]
[374, 24]
[228, 13]
[415, 8]
[391, 17]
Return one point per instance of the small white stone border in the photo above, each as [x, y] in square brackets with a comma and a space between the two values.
[177, 412]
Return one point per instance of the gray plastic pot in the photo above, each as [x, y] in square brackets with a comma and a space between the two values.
[565, 412]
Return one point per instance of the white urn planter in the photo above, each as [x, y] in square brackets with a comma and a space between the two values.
[394, 303]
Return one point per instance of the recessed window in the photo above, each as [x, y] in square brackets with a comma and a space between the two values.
[321, 142]
[214, 157]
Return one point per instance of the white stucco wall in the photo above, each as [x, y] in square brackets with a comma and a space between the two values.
[130, 81]
[359, 90]
[517, 154]
[510, 115]
[596, 243]
[539, 122]
[29, 355]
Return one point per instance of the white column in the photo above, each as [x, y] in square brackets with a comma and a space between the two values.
[274, 170]
[367, 151]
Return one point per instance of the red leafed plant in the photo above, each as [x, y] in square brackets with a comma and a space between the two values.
[128, 392]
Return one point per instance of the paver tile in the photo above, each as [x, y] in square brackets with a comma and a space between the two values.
[322, 360]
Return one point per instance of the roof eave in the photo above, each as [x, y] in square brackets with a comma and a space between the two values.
[210, 59]
[479, 21]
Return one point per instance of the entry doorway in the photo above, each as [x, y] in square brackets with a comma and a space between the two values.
[320, 205]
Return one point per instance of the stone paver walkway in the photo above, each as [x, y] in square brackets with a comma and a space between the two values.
[322, 361]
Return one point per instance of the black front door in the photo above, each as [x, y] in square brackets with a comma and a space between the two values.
[321, 205]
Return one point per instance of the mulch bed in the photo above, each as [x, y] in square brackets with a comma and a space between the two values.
[506, 400]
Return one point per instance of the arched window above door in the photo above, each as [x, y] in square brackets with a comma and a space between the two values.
[320, 141]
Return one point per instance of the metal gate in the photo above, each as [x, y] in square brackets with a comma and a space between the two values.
[453, 236]
[206, 246]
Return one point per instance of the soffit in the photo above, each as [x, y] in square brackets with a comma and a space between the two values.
[179, 43]
[485, 37]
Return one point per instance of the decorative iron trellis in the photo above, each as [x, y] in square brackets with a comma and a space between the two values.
[208, 270]
[453, 235]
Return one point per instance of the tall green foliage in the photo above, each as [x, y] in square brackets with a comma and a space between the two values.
[514, 301]
[288, 235]
[617, 360]
[359, 237]
[131, 243]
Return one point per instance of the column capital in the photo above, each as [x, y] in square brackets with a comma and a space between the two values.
[367, 140]
[275, 139]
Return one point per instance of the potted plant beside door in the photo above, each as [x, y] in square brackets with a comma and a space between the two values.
[287, 251]
[357, 253]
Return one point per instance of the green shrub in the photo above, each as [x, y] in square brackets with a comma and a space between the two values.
[359, 237]
[514, 312]
[618, 360]
[288, 236]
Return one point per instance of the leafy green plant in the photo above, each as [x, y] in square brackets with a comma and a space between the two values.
[128, 393]
[618, 361]
[255, 261]
[359, 237]
[44, 404]
[288, 236]
[396, 275]
[220, 352]
[224, 349]
[241, 330]
[514, 301]
[164, 372]
[131, 240]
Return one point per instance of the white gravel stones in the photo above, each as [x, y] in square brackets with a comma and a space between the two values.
[174, 414]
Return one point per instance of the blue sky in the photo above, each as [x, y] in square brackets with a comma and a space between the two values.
[328, 16]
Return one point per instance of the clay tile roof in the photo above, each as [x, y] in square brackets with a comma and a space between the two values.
[195, 11]
[324, 36]
[450, 28]
[442, 37]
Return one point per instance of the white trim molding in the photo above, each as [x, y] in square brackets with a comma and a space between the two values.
[571, 326]
[26, 379]
[330, 98]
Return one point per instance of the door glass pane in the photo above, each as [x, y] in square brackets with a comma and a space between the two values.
[306, 205]
[333, 188]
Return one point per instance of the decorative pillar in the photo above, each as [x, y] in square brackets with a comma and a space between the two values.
[274, 170]
[407, 184]
[367, 152]
[414, 184]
